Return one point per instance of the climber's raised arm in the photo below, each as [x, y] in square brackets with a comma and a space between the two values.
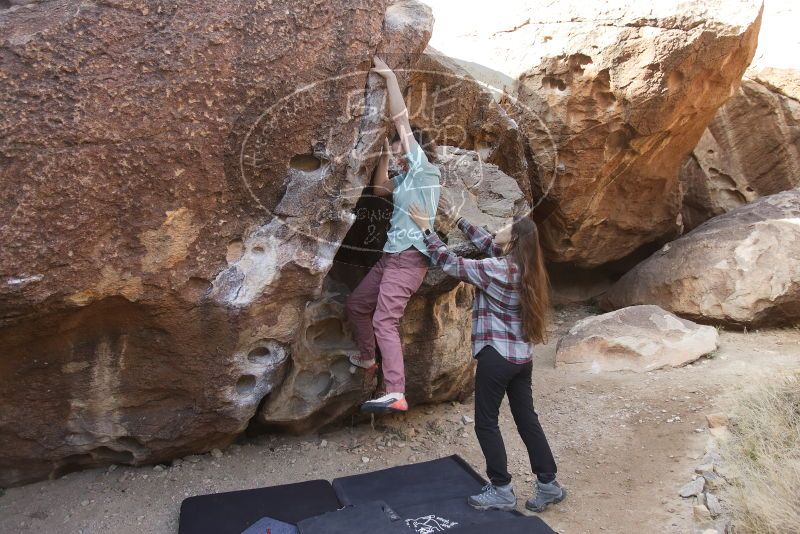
[397, 106]
[381, 184]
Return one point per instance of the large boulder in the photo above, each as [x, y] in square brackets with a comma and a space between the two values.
[435, 328]
[611, 97]
[750, 149]
[740, 268]
[638, 338]
[752, 146]
[177, 179]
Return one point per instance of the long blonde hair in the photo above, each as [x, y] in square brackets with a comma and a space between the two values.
[534, 284]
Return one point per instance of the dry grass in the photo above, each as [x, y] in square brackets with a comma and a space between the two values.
[764, 456]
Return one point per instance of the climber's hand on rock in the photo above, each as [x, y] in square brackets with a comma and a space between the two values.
[380, 67]
[446, 210]
[420, 217]
[387, 147]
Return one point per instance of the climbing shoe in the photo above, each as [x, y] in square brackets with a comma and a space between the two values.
[494, 497]
[546, 494]
[355, 359]
[389, 403]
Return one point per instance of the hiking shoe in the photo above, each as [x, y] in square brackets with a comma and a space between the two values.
[389, 403]
[546, 494]
[494, 497]
[355, 359]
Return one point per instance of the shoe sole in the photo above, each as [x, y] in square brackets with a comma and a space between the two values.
[543, 508]
[503, 508]
[386, 408]
[381, 409]
[363, 365]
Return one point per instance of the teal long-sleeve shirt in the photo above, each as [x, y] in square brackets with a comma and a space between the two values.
[420, 185]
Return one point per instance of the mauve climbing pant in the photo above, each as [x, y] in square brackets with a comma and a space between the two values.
[375, 307]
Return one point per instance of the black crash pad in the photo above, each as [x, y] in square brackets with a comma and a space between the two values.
[406, 485]
[514, 525]
[428, 497]
[431, 496]
[235, 511]
[367, 518]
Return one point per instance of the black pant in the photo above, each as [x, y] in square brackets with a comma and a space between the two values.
[494, 378]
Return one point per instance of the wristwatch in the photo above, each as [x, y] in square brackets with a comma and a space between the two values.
[427, 232]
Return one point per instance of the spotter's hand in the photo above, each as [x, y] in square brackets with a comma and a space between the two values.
[420, 217]
[445, 209]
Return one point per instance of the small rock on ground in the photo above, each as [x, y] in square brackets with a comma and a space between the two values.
[693, 488]
[713, 504]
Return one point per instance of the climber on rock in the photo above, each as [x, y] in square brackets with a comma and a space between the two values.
[375, 307]
[509, 315]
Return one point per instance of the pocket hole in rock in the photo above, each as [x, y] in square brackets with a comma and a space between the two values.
[552, 82]
[305, 162]
[245, 385]
[235, 251]
[259, 355]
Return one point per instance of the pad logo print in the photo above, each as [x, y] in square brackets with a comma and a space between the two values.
[429, 524]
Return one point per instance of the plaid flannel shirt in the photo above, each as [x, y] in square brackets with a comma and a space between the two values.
[496, 318]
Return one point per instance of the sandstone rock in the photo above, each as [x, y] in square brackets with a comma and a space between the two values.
[435, 331]
[751, 149]
[319, 389]
[611, 97]
[639, 338]
[177, 179]
[740, 268]
[752, 146]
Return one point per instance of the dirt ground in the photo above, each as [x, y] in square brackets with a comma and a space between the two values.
[625, 444]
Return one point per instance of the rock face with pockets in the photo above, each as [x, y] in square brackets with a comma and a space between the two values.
[741, 268]
[611, 97]
[638, 338]
[435, 328]
[177, 179]
[752, 147]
